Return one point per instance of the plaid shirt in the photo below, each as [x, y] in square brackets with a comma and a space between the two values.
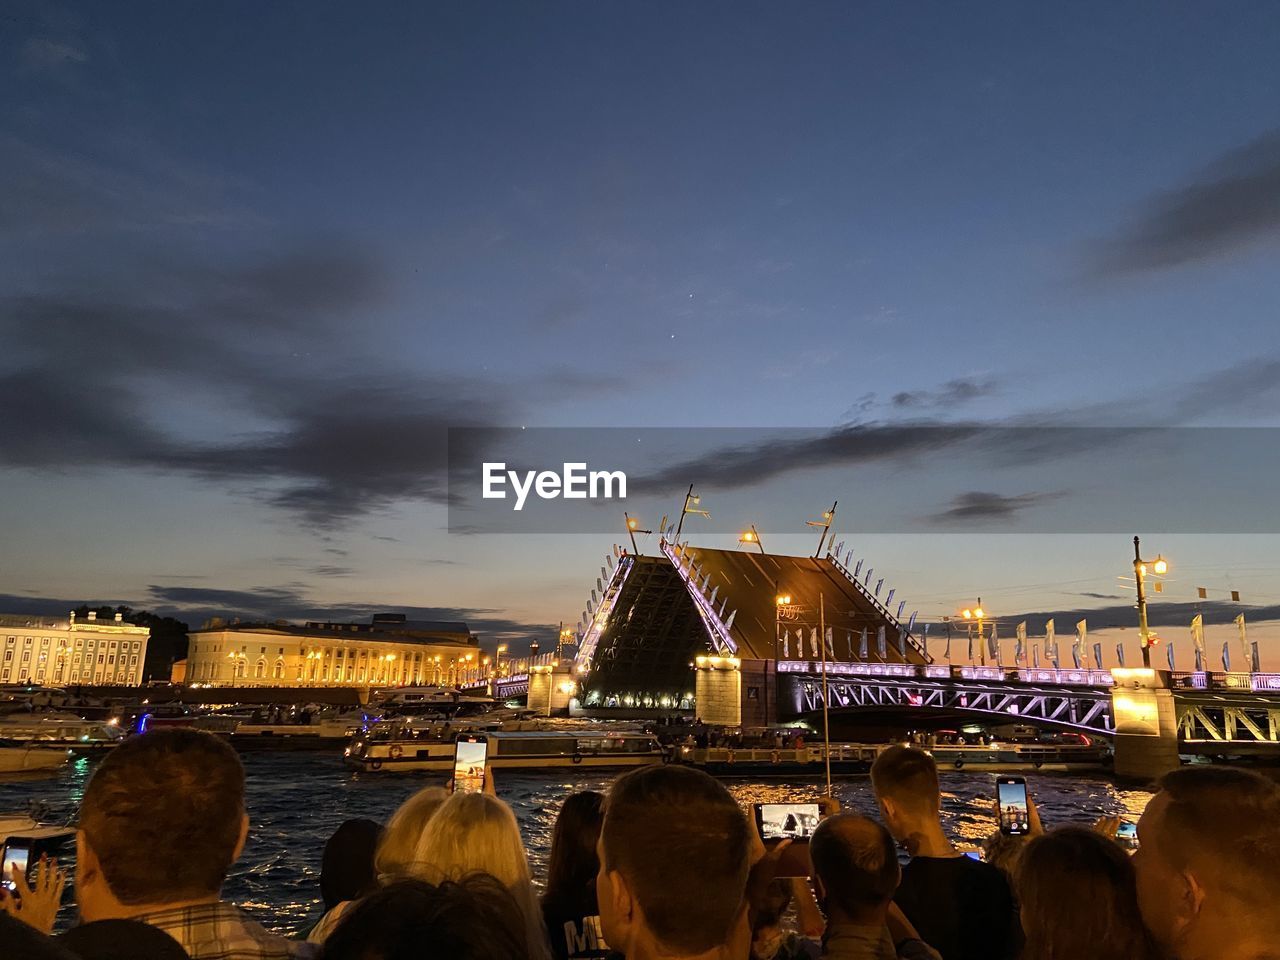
[221, 931]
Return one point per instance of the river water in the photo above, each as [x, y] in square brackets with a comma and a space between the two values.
[296, 800]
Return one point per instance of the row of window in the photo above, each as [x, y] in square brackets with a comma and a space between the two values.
[80, 643]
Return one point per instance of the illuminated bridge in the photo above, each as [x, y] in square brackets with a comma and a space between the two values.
[739, 638]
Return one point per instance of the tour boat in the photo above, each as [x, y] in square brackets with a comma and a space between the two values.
[508, 750]
[60, 730]
[250, 729]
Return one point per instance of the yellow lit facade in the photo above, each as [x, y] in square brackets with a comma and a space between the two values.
[337, 655]
[71, 651]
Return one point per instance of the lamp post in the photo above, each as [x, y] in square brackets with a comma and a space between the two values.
[497, 658]
[751, 535]
[633, 527]
[977, 614]
[696, 501]
[828, 517]
[1159, 566]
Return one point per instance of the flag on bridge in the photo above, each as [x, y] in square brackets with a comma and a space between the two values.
[880, 646]
[1226, 657]
[813, 642]
[1255, 661]
[1050, 644]
[879, 584]
[1197, 638]
[1035, 655]
[786, 644]
[1168, 650]
[1120, 653]
[902, 643]
[889, 599]
[1020, 648]
[829, 645]
[993, 649]
[863, 653]
[1244, 642]
[924, 637]
[1097, 656]
[971, 644]
[947, 653]
[858, 569]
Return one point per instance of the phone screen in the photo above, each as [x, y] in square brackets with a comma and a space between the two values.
[973, 854]
[468, 765]
[787, 821]
[1127, 831]
[1012, 795]
[15, 855]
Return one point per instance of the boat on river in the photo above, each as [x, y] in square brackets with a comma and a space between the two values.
[59, 731]
[256, 729]
[535, 749]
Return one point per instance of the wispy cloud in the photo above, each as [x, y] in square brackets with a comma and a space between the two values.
[949, 395]
[981, 505]
[1231, 204]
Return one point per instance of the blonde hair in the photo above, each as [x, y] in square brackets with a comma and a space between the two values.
[477, 833]
[395, 854]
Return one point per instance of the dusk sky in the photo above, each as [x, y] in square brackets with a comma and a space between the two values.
[256, 258]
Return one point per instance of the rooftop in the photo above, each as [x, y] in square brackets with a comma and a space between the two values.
[385, 627]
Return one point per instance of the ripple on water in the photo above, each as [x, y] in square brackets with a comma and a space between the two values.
[296, 801]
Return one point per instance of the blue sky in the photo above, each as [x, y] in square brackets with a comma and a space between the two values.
[256, 258]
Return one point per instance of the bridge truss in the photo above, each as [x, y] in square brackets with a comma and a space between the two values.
[1080, 708]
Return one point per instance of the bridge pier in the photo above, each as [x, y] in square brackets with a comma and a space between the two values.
[550, 689]
[1146, 723]
[718, 691]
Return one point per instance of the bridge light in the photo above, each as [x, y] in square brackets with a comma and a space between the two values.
[1161, 566]
[978, 613]
[747, 537]
[968, 614]
[632, 523]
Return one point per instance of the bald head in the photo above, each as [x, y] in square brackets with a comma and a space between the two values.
[855, 861]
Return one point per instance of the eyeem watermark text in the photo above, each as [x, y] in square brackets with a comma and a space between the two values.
[574, 483]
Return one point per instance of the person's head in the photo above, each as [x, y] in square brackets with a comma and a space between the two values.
[856, 866]
[673, 863]
[346, 867]
[161, 822]
[1208, 861]
[905, 781]
[1079, 899]
[471, 919]
[399, 841]
[574, 861]
[477, 833]
[121, 940]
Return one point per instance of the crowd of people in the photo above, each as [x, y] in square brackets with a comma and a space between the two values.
[665, 865]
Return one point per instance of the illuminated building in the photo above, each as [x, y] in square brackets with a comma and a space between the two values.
[56, 652]
[387, 651]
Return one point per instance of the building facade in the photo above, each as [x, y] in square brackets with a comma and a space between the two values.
[387, 651]
[71, 651]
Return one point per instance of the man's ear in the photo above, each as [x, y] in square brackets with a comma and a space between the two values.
[1192, 894]
[86, 860]
[624, 904]
[244, 835]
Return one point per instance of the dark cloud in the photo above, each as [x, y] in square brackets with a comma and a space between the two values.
[950, 394]
[980, 505]
[1232, 203]
[732, 467]
[1099, 596]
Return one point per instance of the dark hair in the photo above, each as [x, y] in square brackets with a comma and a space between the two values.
[471, 919]
[681, 841]
[1224, 821]
[769, 905]
[163, 814]
[573, 864]
[856, 861]
[1079, 899]
[907, 776]
[346, 867]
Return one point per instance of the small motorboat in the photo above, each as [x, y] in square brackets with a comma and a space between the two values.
[18, 757]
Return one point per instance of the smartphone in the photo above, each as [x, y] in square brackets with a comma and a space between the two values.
[469, 756]
[789, 821]
[1011, 792]
[1127, 833]
[974, 855]
[16, 854]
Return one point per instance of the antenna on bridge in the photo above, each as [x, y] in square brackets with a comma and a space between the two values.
[690, 500]
[828, 517]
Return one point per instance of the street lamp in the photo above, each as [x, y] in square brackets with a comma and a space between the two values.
[633, 527]
[690, 501]
[828, 517]
[751, 535]
[1160, 567]
[977, 614]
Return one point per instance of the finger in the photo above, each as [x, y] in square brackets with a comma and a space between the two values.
[20, 881]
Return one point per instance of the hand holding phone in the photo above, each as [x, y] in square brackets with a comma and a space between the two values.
[16, 858]
[469, 757]
[1014, 806]
[791, 824]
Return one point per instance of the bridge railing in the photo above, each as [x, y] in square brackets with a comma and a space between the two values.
[1221, 680]
[942, 671]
